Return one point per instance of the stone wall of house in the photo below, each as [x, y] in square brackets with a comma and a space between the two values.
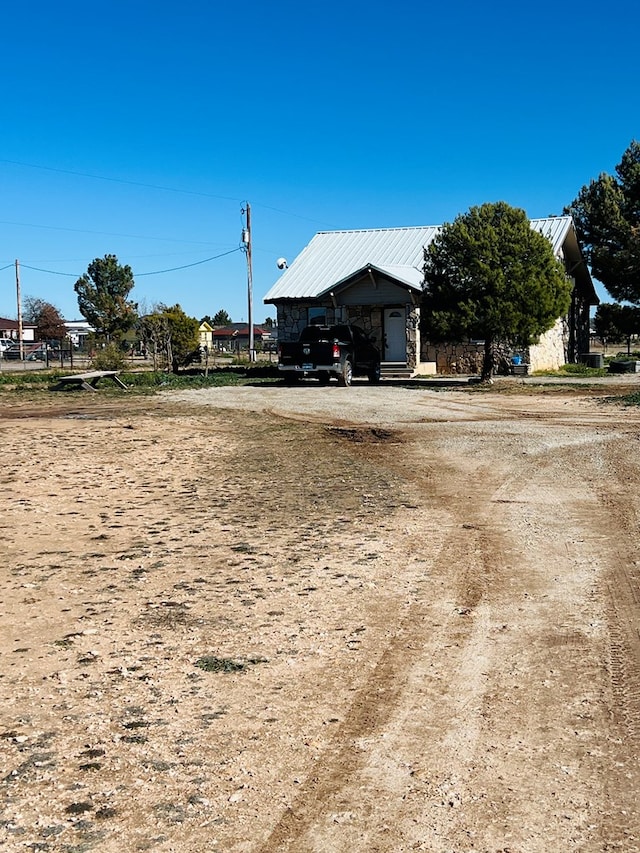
[454, 358]
[293, 317]
[550, 352]
[413, 336]
[467, 358]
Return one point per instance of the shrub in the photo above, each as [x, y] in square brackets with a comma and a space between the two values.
[110, 358]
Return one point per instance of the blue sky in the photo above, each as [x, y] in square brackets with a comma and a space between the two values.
[141, 128]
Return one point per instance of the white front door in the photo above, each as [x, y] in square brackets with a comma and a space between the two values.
[395, 335]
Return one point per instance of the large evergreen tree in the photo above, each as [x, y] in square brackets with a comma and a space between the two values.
[607, 218]
[102, 297]
[489, 276]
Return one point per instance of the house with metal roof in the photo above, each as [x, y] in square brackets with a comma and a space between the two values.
[373, 279]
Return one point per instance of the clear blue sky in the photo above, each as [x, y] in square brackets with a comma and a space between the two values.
[139, 128]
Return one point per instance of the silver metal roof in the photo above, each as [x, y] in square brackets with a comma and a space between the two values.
[555, 229]
[335, 256]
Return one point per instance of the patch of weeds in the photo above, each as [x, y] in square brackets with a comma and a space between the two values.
[620, 399]
[134, 711]
[210, 716]
[55, 829]
[134, 739]
[91, 765]
[243, 548]
[630, 399]
[210, 663]
[106, 812]
[364, 434]
[137, 724]
[171, 812]
[159, 766]
[92, 753]
[30, 768]
[79, 808]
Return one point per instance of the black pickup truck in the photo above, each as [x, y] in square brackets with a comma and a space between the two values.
[326, 351]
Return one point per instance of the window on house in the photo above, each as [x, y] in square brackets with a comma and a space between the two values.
[317, 317]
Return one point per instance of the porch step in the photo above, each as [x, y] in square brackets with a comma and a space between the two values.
[395, 370]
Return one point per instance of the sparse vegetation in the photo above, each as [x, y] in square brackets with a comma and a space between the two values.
[629, 399]
[144, 381]
[575, 370]
[112, 357]
[210, 663]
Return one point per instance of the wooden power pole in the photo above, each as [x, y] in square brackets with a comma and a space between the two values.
[246, 239]
[19, 299]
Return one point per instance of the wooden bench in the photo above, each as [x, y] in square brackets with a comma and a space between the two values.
[88, 381]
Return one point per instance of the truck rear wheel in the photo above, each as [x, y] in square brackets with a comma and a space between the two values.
[346, 374]
[290, 378]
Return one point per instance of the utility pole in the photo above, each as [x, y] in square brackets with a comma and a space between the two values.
[246, 239]
[19, 298]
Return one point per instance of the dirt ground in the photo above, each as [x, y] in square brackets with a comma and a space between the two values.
[260, 619]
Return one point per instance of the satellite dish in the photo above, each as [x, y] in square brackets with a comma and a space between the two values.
[282, 263]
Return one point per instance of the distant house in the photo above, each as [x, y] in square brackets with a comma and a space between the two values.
[205, 333]
[235, 336]
[11, 329]
[78, 331]
[373, 279]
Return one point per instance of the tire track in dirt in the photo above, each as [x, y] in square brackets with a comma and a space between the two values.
[431, 676]
[433, 634]
[604, 531]
[623, 589]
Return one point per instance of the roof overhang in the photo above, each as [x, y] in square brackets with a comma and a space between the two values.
[406, 277]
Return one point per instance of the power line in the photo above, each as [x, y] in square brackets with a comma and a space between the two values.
[106, 233]
[51, 272]
[186, 266]
[137, 275]
[118, 180]
[160, 187]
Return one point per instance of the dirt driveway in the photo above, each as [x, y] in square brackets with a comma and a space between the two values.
[366, 619]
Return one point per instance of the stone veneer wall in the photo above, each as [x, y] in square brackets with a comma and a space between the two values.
[548, 354]
[293, 317]
[454, 358]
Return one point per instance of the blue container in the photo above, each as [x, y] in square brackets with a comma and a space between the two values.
[516, 359]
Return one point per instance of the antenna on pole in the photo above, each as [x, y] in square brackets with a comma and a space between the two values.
[246, 240]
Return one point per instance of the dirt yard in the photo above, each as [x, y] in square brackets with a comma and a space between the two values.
[256, 620]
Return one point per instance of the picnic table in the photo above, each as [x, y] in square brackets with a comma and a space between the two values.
[88, 381]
